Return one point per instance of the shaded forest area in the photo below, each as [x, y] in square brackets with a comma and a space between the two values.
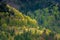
[40, 24]
[46, 12]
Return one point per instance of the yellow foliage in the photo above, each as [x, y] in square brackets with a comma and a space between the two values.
[34, 21]
[57, 36]
[39, 32]
[26, 30]
[48, 31]
[24, 19]
[28, 18]
[17, 13]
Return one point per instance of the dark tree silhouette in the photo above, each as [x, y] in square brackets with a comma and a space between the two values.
[0, 0]
[3, 7]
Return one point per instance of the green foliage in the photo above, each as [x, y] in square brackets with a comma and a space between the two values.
[16, 26]
[3, 36]
[47, 17]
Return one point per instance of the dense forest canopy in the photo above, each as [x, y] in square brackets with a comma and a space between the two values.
[35, 20]
[46, 12]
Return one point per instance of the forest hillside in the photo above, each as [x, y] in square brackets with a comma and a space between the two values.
[15, 25]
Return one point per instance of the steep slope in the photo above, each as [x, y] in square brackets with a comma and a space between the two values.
[13, 22]
[15, 15]
[46, 12]
[16, 26]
